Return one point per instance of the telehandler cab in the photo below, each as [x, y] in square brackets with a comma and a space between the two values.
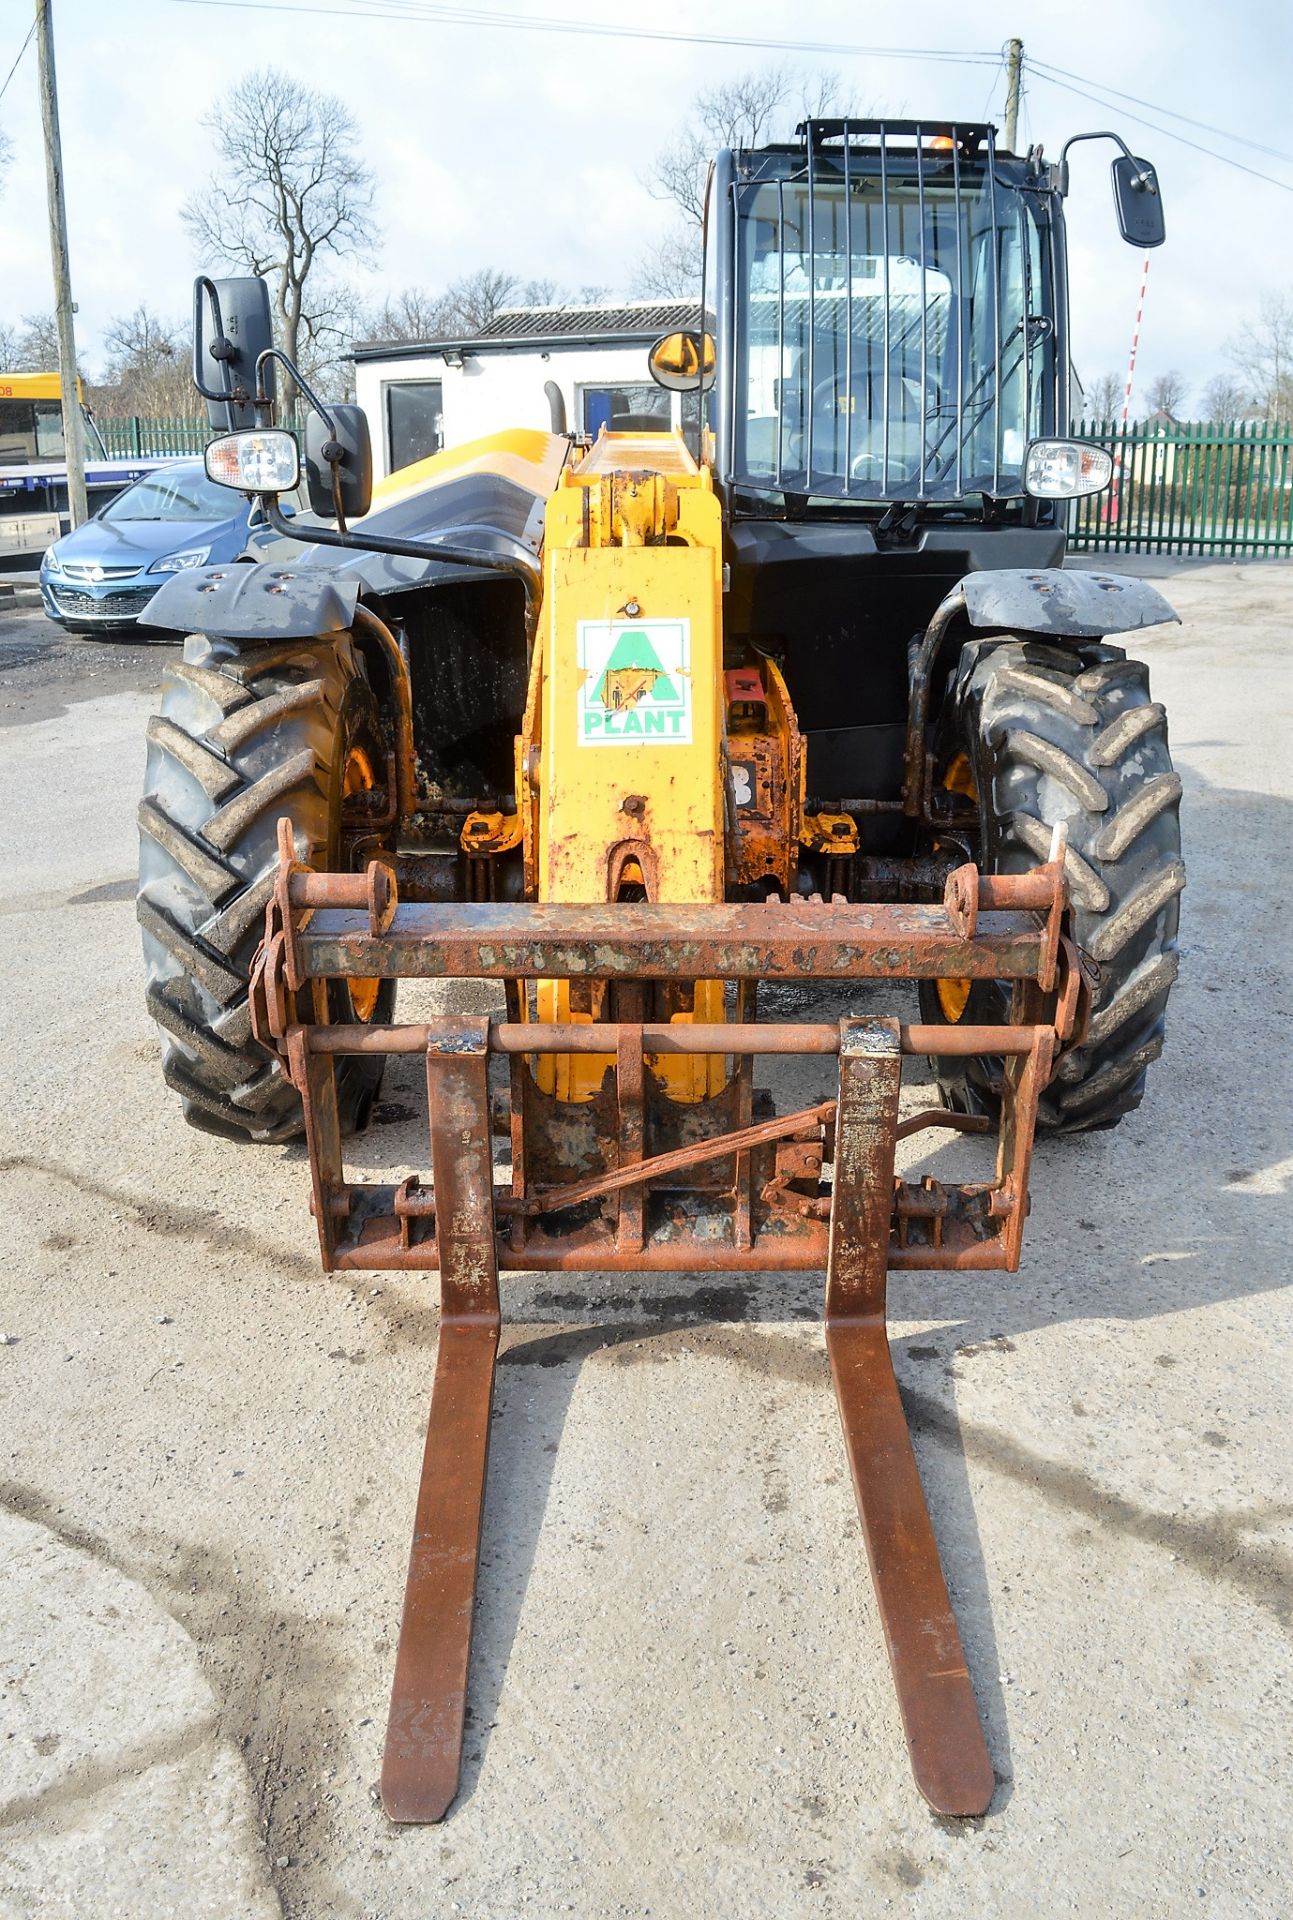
[798, 693]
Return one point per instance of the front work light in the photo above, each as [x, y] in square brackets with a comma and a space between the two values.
[1064, 469]
[262, 460]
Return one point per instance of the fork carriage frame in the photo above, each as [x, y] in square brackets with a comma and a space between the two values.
[629, 1181]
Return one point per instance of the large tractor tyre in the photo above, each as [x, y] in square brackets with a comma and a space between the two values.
[245, 735]
[1035, 734]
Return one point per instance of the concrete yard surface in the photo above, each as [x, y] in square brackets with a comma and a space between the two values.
[680, 1704]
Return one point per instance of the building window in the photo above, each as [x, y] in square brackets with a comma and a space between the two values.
[414, 421]
[626, 409]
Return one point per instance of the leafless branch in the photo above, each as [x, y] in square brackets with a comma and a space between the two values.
[147, 367]
[1167, 391]
[1225, 398]
[670, 268]
[1262, 350]
[1103, 396]
[290, 187]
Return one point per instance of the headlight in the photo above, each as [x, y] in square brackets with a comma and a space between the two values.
[1063, 469]
[178, 562]
[51, 562]
[263, 460]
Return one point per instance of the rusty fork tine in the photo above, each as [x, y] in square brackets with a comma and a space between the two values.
[948, 1754]
[429, 1696]
[424, 1733]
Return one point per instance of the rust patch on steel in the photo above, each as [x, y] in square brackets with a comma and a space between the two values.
[632, 1181]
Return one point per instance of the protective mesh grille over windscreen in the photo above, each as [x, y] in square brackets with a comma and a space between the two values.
[891, 321]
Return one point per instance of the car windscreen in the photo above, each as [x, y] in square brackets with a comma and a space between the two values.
[30, 430]
[173, 496]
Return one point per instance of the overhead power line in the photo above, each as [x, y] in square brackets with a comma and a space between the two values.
[1168, 133]
[444, 13]
[14, 68]
[426, 13]
[1168, 113]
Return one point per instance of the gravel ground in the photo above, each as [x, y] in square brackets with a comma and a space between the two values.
[680, 1703]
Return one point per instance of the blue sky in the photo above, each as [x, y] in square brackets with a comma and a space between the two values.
[524, 149]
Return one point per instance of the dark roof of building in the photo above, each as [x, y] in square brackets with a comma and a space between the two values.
[567, 326]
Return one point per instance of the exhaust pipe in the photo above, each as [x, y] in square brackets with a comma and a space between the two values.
[556, 406]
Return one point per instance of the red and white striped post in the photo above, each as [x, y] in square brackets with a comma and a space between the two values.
[1111, 513]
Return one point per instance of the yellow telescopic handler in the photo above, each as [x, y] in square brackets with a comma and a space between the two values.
[645, 728]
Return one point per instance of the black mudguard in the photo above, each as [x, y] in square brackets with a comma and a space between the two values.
[242, 602]
[1055, 602]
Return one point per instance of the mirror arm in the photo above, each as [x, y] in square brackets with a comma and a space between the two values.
[1127, 154]
[288, 366]
[220, 350]
[332, 452]
[526, 571]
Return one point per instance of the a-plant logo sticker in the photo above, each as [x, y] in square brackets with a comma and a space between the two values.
[635, 682]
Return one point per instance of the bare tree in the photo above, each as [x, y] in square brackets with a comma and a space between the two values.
[410, 314]
[465, 306]
[33, 347]
[291, 191]
[1167, 392]
[6, 152]
[473, 301]
[1263, 352]
[1104, 396]
[343, 315]
[147, 367]
[734, 114]
[1225, 398]
[551, 293]
[10, 347]
[670, 267]
[746, 112]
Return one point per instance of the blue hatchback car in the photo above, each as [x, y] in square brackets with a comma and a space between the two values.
[100, 577]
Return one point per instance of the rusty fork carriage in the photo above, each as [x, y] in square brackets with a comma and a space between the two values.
[631, 1180]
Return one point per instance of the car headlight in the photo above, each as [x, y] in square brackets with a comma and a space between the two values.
[1065, 469]
[180, 562]
[51, 561]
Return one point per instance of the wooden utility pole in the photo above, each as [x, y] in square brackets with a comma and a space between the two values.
[1014, 67]
[73, 426]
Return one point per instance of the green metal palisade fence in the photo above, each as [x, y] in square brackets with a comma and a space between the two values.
[163, 436]
[139, 437]
[1191, 487]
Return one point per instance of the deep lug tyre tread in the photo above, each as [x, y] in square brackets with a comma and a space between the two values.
[245, 734]
[1056, 734]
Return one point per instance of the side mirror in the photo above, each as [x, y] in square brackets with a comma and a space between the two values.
[1138, 201]
[684, 362]
[232, 327]
[349, 452]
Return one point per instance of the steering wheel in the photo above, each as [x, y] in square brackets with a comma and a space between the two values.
[827, 390]
[866, 464]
